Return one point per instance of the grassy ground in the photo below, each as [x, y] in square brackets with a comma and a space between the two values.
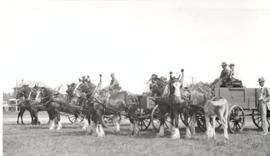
[71, 140]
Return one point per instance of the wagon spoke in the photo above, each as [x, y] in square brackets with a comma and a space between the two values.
[239, 125]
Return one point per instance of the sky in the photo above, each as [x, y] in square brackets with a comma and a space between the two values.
[58, 41]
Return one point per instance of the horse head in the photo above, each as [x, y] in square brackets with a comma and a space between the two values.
[44, 94]
[175, 89]
[23, 91]
[70, 89]
[155, 86]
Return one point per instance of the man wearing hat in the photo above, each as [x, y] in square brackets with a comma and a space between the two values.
[231, 75]
[264, 98]
[233, 82]
[224, 75]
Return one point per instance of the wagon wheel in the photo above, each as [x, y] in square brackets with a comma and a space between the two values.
[201, 122]
[186, 120]
[73, 119]
[155, 118]
[256, 118]
[144, 124]
[144, 120]
[236, 119]
[107, 121]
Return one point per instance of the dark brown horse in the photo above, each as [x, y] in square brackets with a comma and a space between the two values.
[116, 104]
[27, 96]
[72, 103]
[173, 103]
[172, 100]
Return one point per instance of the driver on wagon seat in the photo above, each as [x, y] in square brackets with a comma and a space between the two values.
[224, 76]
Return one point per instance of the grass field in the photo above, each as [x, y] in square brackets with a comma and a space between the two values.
[71, 140]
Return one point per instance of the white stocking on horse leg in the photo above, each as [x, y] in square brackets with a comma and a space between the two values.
[214, 127]
[188, 133]
[161, 131]
[59, 127]
[102, 131]
[117, 127]
[85, 125]
[136, 127]
[208, 127]
[225, 126]
[98, 131]
[91, 127]
[176, 133]
[52, 124]
[116, 121]
[192, 126]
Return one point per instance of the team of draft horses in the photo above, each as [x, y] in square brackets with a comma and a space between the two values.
[93, 102]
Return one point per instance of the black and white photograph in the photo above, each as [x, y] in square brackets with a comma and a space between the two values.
[135, 77]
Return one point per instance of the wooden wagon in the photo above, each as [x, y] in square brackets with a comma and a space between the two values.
[143, 113]
[243, 102]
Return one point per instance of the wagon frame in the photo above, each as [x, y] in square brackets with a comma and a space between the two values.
[243, 102]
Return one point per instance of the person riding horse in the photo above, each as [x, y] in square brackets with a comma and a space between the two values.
[114, 85]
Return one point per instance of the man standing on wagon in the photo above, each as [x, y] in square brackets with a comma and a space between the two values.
[264, 98]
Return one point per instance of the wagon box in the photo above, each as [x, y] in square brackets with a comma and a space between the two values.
[243, 102]
[244, 97]
[146, 102]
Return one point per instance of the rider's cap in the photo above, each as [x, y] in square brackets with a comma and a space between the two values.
[261, 79]
[231, 65]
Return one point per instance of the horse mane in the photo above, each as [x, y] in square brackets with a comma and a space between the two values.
[202, 87]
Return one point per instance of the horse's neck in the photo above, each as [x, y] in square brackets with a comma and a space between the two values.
[198, 97]
[26, 93]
